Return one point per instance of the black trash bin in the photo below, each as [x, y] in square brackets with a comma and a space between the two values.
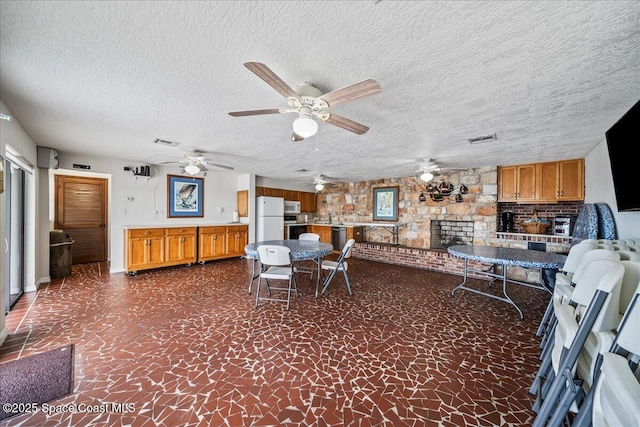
[59, 254]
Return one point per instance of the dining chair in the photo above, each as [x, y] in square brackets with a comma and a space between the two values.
[596, 309]
[563, 290]
[586, 278]
[613, 400]
[339, 265]
[307, 266]
[276, 265]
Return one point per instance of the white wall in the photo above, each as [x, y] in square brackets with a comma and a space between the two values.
[599, 189]
[12, 134]
[149, 205]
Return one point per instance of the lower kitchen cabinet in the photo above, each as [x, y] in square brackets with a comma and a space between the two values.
[181, 245]
[219, 242]
[324, 231]
[148, 248]
[237, 239]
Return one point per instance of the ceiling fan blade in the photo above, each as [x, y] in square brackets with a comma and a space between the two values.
[272, 79]
[255, 112]
[347, 124]
[352, 92]
[296, 137]
[220, 166]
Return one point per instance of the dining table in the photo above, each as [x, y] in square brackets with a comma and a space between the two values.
[301, 250]
[505, 257]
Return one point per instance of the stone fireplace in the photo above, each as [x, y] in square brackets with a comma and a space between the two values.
[445, 233]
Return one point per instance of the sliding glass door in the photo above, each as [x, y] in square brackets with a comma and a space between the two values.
[14, 233]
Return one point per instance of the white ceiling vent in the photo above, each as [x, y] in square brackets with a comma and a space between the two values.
[483, 138]
[165, 142]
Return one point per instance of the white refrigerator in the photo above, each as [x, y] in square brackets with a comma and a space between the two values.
[269, 218]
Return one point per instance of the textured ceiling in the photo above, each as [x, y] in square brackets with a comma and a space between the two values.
[108, 78]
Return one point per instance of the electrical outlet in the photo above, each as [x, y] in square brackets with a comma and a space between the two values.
[122, 211]
[155, 214]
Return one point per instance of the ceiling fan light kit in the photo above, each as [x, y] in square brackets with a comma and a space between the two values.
[426, 176]
[192, 169]
[319, 186]
[305, 126]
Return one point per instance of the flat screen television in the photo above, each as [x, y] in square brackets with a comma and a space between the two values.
[622, 142]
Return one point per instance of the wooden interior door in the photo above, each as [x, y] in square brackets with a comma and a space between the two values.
[81, 211]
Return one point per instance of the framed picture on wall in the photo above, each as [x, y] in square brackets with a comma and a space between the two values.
[385, 204]
[185, 196]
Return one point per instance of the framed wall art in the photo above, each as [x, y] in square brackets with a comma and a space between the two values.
[385, 204]
[185, 196]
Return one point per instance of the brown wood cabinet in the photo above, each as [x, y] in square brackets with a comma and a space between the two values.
[307, 199]
[148, 248]
[219, 242]
[354, 233]
[548, 182]
[237, 238]
[243, 203]
[517, 183]
[211, 243]
[324, 231]
[571, 177]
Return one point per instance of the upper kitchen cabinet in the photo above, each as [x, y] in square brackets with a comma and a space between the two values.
[291, 195]
[517, 183]
[243, 203]
[308, 202]
[560, 181]
[548, 182]
[571, 173]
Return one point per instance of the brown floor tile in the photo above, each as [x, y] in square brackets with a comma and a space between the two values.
[186, 346]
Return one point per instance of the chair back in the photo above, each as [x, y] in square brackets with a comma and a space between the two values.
[346, 250]
[575, 255]
[592, 255]
[629, 255]
[309, 236]
[629, 287]
[276, 255]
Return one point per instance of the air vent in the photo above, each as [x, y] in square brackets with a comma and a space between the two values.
[483, 138]
[165, 142]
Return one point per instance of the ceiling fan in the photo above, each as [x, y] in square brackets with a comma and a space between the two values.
[195, 162]
[431, 169]
[308, 101]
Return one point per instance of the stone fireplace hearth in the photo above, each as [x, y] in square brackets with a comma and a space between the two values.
[447, 233]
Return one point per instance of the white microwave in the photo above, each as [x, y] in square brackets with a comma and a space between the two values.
[291, 207]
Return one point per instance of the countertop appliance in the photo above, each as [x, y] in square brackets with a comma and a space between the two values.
[507, 222]
[291, 207]
[290, 219]
[269, 218]
[563, 225]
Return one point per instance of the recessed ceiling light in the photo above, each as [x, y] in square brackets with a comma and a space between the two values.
[483, 138]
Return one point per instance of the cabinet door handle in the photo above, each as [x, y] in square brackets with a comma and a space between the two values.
[147, 232]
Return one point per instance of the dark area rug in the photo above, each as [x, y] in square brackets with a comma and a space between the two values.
[35, 379]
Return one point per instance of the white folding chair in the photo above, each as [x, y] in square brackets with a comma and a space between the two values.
[596, 309]
[307, 266]
[276, 265]
[339, 265]
[614, 398]
[563, 277]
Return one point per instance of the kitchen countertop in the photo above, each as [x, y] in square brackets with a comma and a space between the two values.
[358, 224]
[210, 224]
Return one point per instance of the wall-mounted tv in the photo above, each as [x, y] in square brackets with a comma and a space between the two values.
[622, 141]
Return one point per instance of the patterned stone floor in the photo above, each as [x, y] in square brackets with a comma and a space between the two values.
[186, 346]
